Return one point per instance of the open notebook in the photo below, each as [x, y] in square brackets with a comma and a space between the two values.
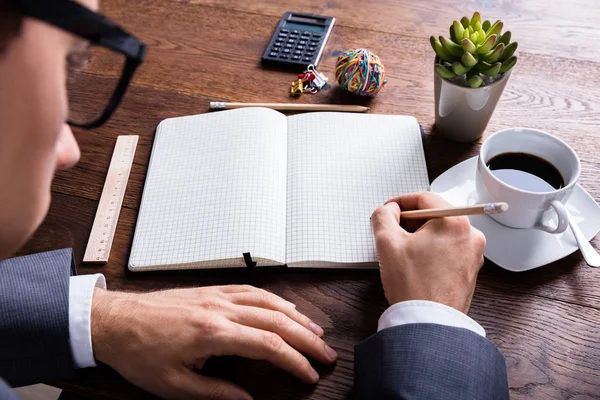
[295, 190]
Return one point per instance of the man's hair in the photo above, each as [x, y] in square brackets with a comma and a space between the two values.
[10, 23]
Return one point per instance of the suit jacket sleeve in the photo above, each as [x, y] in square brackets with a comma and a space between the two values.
[34, 317]
[429, 361]
[6, 393]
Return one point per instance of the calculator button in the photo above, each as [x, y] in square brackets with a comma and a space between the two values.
[317, 35]
[284, 56]
[302, 42]
[281, 37]
[297, 58]
[311, 48]
[300, 47]
[309, 54]
[306, 33]
[291, 41]
[289, 46]
[275, 49]
[295, 31]
[307, 59]
[277, 44]
[298, 52]
[272, 54]
[293, 36]
[287, 51]
[283, 30]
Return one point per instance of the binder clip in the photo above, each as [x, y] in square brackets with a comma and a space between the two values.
[297, 87]
[320, 79]
[319, 82]
[310, 81]
[307, 76]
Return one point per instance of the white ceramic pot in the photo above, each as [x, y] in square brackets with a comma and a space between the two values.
[462, 113]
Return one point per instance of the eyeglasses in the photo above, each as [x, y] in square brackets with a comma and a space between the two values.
[98, 76]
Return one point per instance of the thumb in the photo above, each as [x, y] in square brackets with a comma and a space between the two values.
[387, 218]
[189, 385]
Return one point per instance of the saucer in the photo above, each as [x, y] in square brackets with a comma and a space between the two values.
[518, 249]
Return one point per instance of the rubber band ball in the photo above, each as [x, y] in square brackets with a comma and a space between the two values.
[361, 72]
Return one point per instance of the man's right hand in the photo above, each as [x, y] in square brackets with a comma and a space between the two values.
[156, 340]
[436, 260]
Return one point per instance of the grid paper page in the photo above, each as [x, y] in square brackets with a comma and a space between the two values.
[340, 168]
[216, 188]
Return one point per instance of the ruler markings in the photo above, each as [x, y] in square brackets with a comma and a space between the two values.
[109, 206]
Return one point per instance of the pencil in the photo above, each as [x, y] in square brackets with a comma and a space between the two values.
[489, 208]
[220, 105]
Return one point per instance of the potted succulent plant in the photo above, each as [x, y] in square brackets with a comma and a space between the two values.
[471, 68]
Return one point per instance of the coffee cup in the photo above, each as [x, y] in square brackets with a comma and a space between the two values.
[531, 170]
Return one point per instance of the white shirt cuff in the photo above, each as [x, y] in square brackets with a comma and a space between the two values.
[81, 290]
[426, 312]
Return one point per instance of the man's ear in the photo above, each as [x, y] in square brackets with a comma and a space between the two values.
[10, 24]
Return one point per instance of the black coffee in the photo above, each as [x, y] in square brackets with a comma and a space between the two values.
[526, 172]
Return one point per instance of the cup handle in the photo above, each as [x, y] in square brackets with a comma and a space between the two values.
[563, 219]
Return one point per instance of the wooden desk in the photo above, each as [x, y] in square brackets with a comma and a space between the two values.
[546, 322]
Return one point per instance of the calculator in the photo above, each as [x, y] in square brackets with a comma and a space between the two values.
[298, 40]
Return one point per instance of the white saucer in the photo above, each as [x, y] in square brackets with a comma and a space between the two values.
[518, 249]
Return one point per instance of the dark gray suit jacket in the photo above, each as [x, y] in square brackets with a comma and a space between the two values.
[417, 361]
[429, 362]
[34, 319]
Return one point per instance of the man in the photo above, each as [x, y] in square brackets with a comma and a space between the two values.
[426, 346]
[51, 323]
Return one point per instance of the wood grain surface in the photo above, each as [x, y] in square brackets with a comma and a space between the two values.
[546, 321]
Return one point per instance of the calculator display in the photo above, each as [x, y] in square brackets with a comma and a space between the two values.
[312, 28]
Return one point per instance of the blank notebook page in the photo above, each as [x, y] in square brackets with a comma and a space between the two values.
[340, 168]
[216, 188]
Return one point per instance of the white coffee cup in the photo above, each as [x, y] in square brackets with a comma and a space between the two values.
[527, 209]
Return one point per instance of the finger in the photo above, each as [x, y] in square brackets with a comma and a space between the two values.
[258, 344]
[480, 239]
[386, 219]
[418, 201]
[296, 335]
[480, 243]
[237, 288]
[252, 289]
[186, 384]
[270, 301]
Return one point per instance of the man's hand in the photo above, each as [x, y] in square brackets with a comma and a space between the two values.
[156, 340]
[437, 260]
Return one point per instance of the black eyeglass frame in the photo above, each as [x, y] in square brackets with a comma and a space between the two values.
[79, 20]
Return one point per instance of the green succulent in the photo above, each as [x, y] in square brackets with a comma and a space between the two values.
[475, 48]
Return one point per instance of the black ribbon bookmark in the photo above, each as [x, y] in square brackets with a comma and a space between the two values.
[248, 260]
